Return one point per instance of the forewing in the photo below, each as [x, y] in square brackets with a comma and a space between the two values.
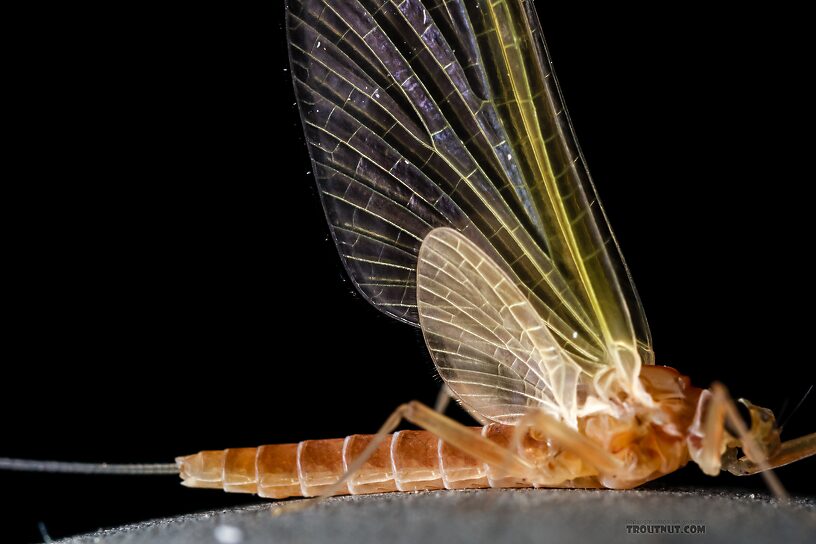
[567, 212]
[432, 114]
[404, 139]
[488, 342]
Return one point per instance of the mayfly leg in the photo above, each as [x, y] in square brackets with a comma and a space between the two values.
[539, 424]
[755, 461]
[789, 451]
[723, 409]
[449, 431]
[443, 399]
[463, 438]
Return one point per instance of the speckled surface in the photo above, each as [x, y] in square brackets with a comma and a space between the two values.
[491, 516]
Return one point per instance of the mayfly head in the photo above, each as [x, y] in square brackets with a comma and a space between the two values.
[764, 433]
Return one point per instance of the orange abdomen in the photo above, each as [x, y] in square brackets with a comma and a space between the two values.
[405, 461]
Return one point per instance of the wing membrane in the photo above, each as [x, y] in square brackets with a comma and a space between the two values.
[488, 343]
[428, 114]
[382, 130]
[575, 227]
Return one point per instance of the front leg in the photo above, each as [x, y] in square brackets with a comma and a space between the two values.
[708, 439]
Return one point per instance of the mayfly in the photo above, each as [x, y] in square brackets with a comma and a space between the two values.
[460, 203]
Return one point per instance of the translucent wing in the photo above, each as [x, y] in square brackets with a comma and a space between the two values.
[432, 114]
[567, 214]
[488, 343]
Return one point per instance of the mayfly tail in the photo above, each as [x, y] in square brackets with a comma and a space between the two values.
[34, 465]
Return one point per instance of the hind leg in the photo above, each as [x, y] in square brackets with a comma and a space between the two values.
[578, 456]
[449, 431]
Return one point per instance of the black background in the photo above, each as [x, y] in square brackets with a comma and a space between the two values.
[170, 284]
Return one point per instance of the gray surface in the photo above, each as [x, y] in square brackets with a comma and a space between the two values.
[490, 516]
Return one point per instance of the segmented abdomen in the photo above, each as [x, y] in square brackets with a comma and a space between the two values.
[405, 461]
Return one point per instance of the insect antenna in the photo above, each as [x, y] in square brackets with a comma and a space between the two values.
[782, 409]
[136, 469]
[798, 405]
